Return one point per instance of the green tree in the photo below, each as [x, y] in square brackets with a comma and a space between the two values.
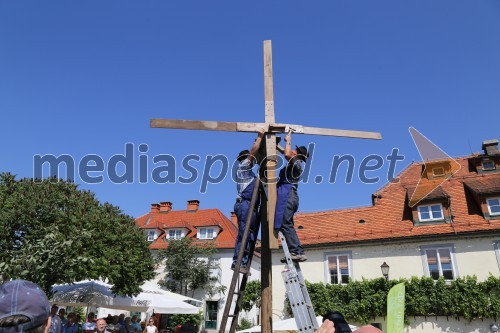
[251, 296]
[188, 266]
[181, 319]
[52, 233]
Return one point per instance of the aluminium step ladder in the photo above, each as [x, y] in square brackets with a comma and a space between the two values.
[297, 293]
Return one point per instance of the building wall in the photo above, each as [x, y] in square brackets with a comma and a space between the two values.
[473, 256]
[226, 258]
[439, 324]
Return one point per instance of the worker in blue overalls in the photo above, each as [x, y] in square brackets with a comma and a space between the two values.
[287, 202]
[245, 181]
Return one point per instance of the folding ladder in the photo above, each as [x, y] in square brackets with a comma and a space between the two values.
[294, 282]
[297, 293]
[237, 286]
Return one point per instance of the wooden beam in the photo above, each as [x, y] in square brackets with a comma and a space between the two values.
[269, 126]
[267, 222]
[344, 133]
[206, 125]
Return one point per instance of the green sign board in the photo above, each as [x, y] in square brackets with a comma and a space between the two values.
[396, 309]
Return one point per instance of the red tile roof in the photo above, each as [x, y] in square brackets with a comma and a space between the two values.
[391, 217]
[190, 220]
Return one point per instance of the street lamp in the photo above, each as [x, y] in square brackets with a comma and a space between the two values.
[494, 328]
[385, 270]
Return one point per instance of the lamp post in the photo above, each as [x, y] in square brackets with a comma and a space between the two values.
[385, 270]
[494, 328]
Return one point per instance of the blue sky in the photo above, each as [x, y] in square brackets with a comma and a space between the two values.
[85, 77]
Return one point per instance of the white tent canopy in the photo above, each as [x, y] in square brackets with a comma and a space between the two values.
[98, 294]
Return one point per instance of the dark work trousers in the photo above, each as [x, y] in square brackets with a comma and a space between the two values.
[241, 209]
[292, 240]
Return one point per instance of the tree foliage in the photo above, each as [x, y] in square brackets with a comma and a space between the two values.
[188, 266]
[181, 319]
[252, 295]
[53, 233]
[360, 301]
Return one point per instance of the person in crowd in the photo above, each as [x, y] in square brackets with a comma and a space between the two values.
[115, 325]
[121, 319]
[135, 324]
[79, 323]
[101, 326]
[287, 202]
[151, 327]
[89, 326]
[24, 307]
[61, 314]
[245, 181]
[56, 324]
[70, 326]
[127, 327]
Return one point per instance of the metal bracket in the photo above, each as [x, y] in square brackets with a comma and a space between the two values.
[285, 128]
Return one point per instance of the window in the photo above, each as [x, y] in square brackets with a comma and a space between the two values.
[430, 212]
[151, 235]
[175, 234]
[439, 263]
[215, 270]
[438, 172]
[494, 206]
[488, 165]
[338, 269]
[206, 233]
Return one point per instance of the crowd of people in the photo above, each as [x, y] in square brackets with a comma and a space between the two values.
[24, 308]
[74, 324]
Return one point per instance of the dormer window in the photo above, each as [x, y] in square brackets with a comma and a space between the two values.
[175, 234]
[430, 212]
[493, 206]
[206, 233]
[488, 165]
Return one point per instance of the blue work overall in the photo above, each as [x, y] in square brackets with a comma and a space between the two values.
[242, 209]
[287, 205]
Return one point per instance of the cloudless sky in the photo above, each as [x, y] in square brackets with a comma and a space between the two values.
[85, 77]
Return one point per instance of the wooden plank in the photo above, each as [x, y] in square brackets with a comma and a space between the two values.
[344, 133]
[194, 125]
[207, 125]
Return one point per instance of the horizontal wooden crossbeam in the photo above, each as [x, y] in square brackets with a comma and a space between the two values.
[255, 127]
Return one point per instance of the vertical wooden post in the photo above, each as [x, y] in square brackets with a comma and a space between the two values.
[268, 203]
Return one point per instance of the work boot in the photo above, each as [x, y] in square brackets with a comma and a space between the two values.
[295, 257]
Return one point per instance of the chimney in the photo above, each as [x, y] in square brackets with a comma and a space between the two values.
[234, 219]
[490, 147]
[165, 206]
[193, 205]
[155, 208]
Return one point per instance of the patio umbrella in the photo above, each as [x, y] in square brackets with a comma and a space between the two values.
[98, 294]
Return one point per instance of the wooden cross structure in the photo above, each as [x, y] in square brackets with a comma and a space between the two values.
[268, 203]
